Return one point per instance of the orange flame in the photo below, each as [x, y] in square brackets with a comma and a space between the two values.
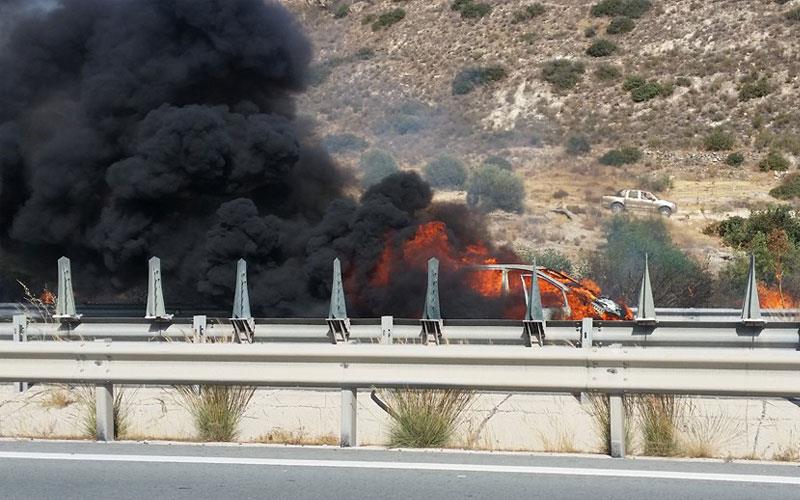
[431, 240]
[769, 298]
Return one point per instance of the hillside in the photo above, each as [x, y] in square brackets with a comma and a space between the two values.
[393, 87]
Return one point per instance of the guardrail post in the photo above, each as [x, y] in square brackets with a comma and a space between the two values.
[387, 323]
[20, 334]
[616, 422]
[104, 406]
[348, 436]
[199, 328]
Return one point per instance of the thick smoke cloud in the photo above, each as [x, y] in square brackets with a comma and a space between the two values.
[133, 128]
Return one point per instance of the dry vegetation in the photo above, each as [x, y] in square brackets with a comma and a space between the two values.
[728, 66]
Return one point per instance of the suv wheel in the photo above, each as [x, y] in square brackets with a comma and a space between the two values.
[665, 211]
[617, 208]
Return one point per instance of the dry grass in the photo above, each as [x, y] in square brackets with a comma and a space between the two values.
[57, 398]
[705, 433]
[788, 454]
[282, 436]
[659, 416]
[600, 412]
[217, 410]
[85, 397]
[426, 418]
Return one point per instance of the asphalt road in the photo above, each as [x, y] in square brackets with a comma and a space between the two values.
[120, 471]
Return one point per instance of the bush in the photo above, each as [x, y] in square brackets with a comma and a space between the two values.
[622, 156]
[560, 194]
[578, 145]
[563, 74]
[500, 162]
[682, 81]
[649, 90]
[718, 140]
[425, 418]
[469, 79]
[490, 187]
[656, 183]
[601, 48]
[339, 143]
[217, 410]
[659, 417]
[471, 10]
[794, 14]
[633, 82]
[678, 281]
[620, 25]
[753, 89]
[627, 8]
[607, 72]
[446, 171]
[388, 19]
[549, 258]
[735, 159]
[590, 32]
[375, 165]
[342, 10]
[774, 161]
[789, 188]
[528, 12]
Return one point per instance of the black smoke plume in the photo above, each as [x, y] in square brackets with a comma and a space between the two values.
[133, 128]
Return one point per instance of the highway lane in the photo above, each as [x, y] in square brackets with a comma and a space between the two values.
[83, 470]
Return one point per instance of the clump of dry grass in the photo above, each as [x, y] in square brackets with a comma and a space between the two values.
[599, 410]
[85, 397]
[705, 433]
[426, 418]
[57, 397]
[217, 410]
[659, 415]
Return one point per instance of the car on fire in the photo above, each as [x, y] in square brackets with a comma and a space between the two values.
[636, 199]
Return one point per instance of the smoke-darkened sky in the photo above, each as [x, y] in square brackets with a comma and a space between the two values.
[133, 128]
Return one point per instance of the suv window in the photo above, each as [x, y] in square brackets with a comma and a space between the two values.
[633, 194]
[648, 196]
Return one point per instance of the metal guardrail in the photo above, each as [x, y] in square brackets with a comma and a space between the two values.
[349, 367]
[664, 333]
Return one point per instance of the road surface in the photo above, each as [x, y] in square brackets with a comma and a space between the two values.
[121, 471]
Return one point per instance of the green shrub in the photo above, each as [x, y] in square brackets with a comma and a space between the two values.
[754, 88]
[468, 79]
[446, 172]
[563, 74]
[471, 10]
[499, 162]
[656, 183]
[620, 25]
[678, 280]
[388, 19]
[718, 140]
[659, 418]
[339, 143]
[774, 161]
[649, 90]
[735, 159]
[607, 72]
[601, 48]
[490, 187]
[342, 10]
[794, 14]
[425, 418]
[577, 145]
[528, 12]
[789, 188]
[375, 165]
[627, 8]
[621, 156]
[549, 258]
[632, 82]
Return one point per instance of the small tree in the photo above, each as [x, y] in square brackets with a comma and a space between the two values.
[375, 165]
[774, 161]
[578, 145]
[490, 188]
[734, 159]
[601, 48]
[718, 140]
[620, 25]
[563, 74]
[446, 172]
